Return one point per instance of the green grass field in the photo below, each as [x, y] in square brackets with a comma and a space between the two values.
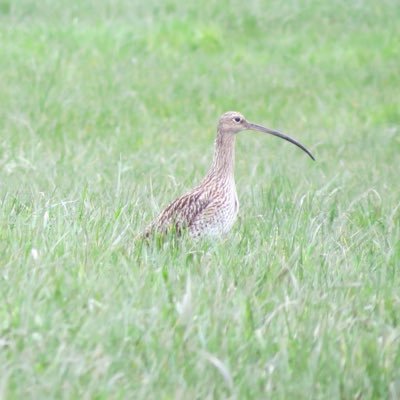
[108, 112]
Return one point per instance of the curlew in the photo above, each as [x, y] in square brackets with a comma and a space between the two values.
[211, 208]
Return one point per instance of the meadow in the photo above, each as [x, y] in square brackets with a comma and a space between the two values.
[108, 112]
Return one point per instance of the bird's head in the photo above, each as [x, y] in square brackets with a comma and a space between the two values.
[233, 122]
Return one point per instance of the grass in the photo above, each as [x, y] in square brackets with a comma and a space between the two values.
[109, 111]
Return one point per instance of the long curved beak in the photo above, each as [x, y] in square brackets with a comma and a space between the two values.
[255, 127]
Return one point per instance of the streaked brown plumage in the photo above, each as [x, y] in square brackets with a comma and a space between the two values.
[211, 208]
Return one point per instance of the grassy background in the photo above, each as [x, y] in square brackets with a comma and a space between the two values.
[108, 111]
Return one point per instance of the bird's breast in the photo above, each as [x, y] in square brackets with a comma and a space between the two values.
[226, 214]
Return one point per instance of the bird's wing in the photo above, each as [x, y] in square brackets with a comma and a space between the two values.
[180, 214]
[205, 218]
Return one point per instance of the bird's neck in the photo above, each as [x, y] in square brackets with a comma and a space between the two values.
[224, 156]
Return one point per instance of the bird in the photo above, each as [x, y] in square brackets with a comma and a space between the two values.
[211, 208]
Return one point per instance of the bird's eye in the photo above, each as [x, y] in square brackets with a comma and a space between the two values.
[237, 119]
